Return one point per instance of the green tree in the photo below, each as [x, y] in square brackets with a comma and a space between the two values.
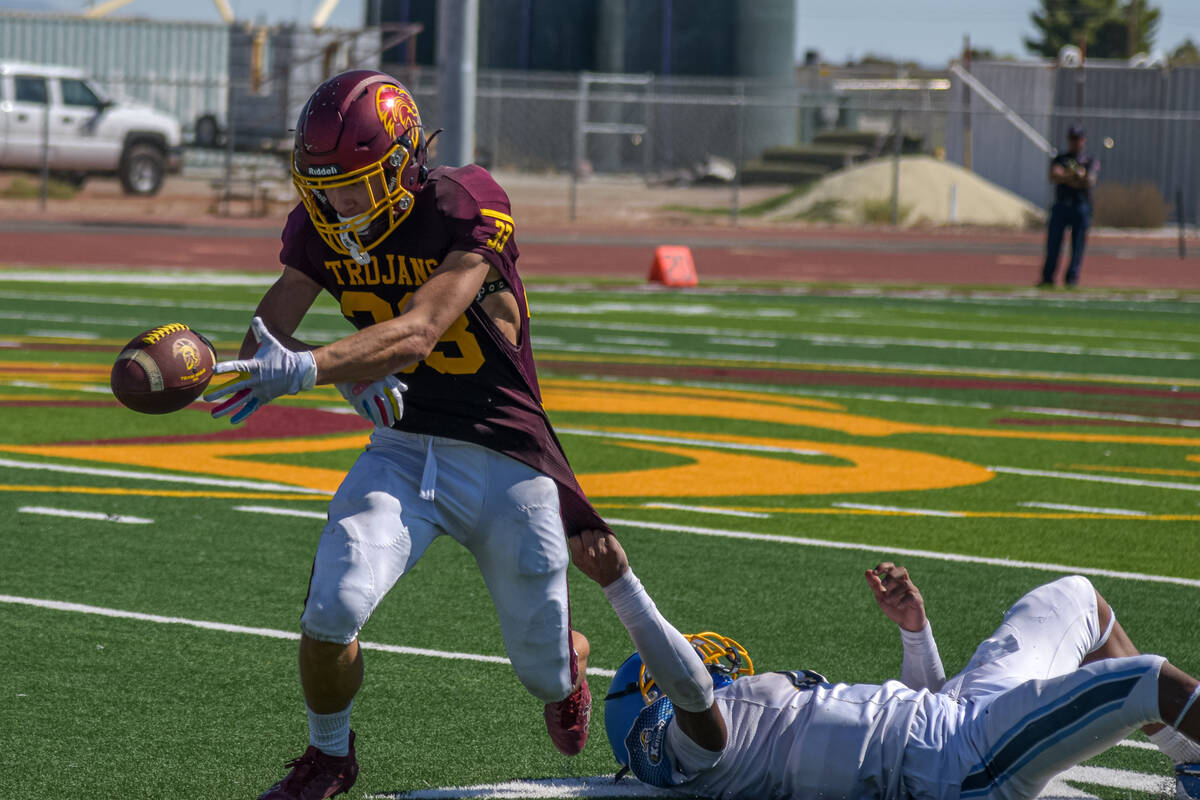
[1107, 29]
[1186, 53]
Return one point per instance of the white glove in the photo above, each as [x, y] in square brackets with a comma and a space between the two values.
[379, 402]
[274, 371]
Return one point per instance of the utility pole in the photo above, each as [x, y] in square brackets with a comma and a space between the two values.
[1131, 29]
[457, 43]
[968, 154]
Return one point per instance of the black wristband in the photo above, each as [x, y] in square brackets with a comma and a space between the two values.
[491, 287]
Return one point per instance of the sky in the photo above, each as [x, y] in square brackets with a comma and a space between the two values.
[927, 31]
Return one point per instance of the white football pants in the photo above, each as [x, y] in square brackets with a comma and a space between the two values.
[407, 489]
[1031, 710]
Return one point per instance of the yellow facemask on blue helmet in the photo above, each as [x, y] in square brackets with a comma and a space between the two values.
[633, 689]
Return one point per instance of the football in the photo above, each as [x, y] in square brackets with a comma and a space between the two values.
[163, 369]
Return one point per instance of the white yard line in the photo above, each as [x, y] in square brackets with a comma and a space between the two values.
[602, 786]
[762, 338]
[95, 515]
[534, 789]
[1081, 476]
[270, 633]
[681, 356]
[729, 512]
[903, 399]
[923, 512]
[646, 437]
[142, 302]
[629, 340]
[159, 476]
[41, 333]
[904, 551]
[1137, 745]
[1080, 414]
[1085, 509]
[283, 512]
[733, 341]
[150, 276]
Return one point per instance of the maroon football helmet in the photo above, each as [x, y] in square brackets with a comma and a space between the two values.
[359, 131]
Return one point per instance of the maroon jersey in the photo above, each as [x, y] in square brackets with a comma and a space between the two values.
[476, 385]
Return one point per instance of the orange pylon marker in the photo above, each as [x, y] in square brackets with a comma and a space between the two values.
[673, 266]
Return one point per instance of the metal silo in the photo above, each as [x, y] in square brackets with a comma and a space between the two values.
[766, 42]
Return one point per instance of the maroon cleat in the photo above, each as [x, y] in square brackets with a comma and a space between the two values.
[567, 720]
[316, 776]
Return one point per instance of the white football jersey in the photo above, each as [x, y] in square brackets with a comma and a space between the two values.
[1022, 711]
[830, 741]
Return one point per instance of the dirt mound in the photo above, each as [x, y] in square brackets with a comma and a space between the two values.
[932, 192]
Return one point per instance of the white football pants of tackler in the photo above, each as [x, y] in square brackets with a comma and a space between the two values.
[1031, 710]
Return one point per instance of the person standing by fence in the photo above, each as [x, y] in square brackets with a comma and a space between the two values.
[1073, 175]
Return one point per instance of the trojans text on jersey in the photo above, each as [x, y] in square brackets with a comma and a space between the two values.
[388, 270]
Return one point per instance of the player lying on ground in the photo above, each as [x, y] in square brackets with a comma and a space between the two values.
[424, 264]
[1058, 682]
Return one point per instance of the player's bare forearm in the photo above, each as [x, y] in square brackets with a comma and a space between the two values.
[374, 352]
[388, 347]
[282, 308]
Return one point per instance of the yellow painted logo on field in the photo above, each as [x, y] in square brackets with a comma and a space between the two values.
[796, 457]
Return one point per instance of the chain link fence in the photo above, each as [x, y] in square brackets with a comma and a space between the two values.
[688, 132]
[586, 132]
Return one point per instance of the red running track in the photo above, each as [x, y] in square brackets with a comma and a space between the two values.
[803, 255]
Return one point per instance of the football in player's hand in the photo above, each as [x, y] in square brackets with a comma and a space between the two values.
[163, 369]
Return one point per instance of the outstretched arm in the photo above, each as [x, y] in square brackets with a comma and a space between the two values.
[901, 601]
[388, 347]
[668, 656]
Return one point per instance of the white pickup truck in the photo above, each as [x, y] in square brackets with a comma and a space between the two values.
[84, 131]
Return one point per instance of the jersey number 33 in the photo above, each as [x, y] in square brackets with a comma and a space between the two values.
[456, 353]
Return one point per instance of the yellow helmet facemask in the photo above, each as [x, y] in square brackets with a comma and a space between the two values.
[720, 654]
[389, 203]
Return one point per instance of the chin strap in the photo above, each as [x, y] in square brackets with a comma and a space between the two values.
[359, 255]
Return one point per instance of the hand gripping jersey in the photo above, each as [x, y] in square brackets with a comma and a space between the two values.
[476, 386]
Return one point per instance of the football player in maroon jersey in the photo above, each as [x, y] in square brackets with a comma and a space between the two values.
[423, 263]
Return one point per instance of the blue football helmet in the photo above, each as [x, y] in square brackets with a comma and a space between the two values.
[633, 689]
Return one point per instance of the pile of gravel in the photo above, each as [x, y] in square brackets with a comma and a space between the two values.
[932, 192]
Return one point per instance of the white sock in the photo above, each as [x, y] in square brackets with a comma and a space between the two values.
[330, 733]
[1175, 746]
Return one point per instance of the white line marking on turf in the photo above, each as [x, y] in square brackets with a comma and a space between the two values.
[97, 515]
[904, 551]
[48, 334]
[1070, 412]
[645, 437]
[1125, 512]
[924, 512]
[270, 633]
[283, 512]
[909, 399]
[94, 388]
[1137, 745]
[680, 356]
[1159, 785]
[603, 786]
[629, 340]
[1080, 476]
[741, 342]
[730, 512]
[769, 338]
[148, 277]
[158, 476]
[534, 789]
